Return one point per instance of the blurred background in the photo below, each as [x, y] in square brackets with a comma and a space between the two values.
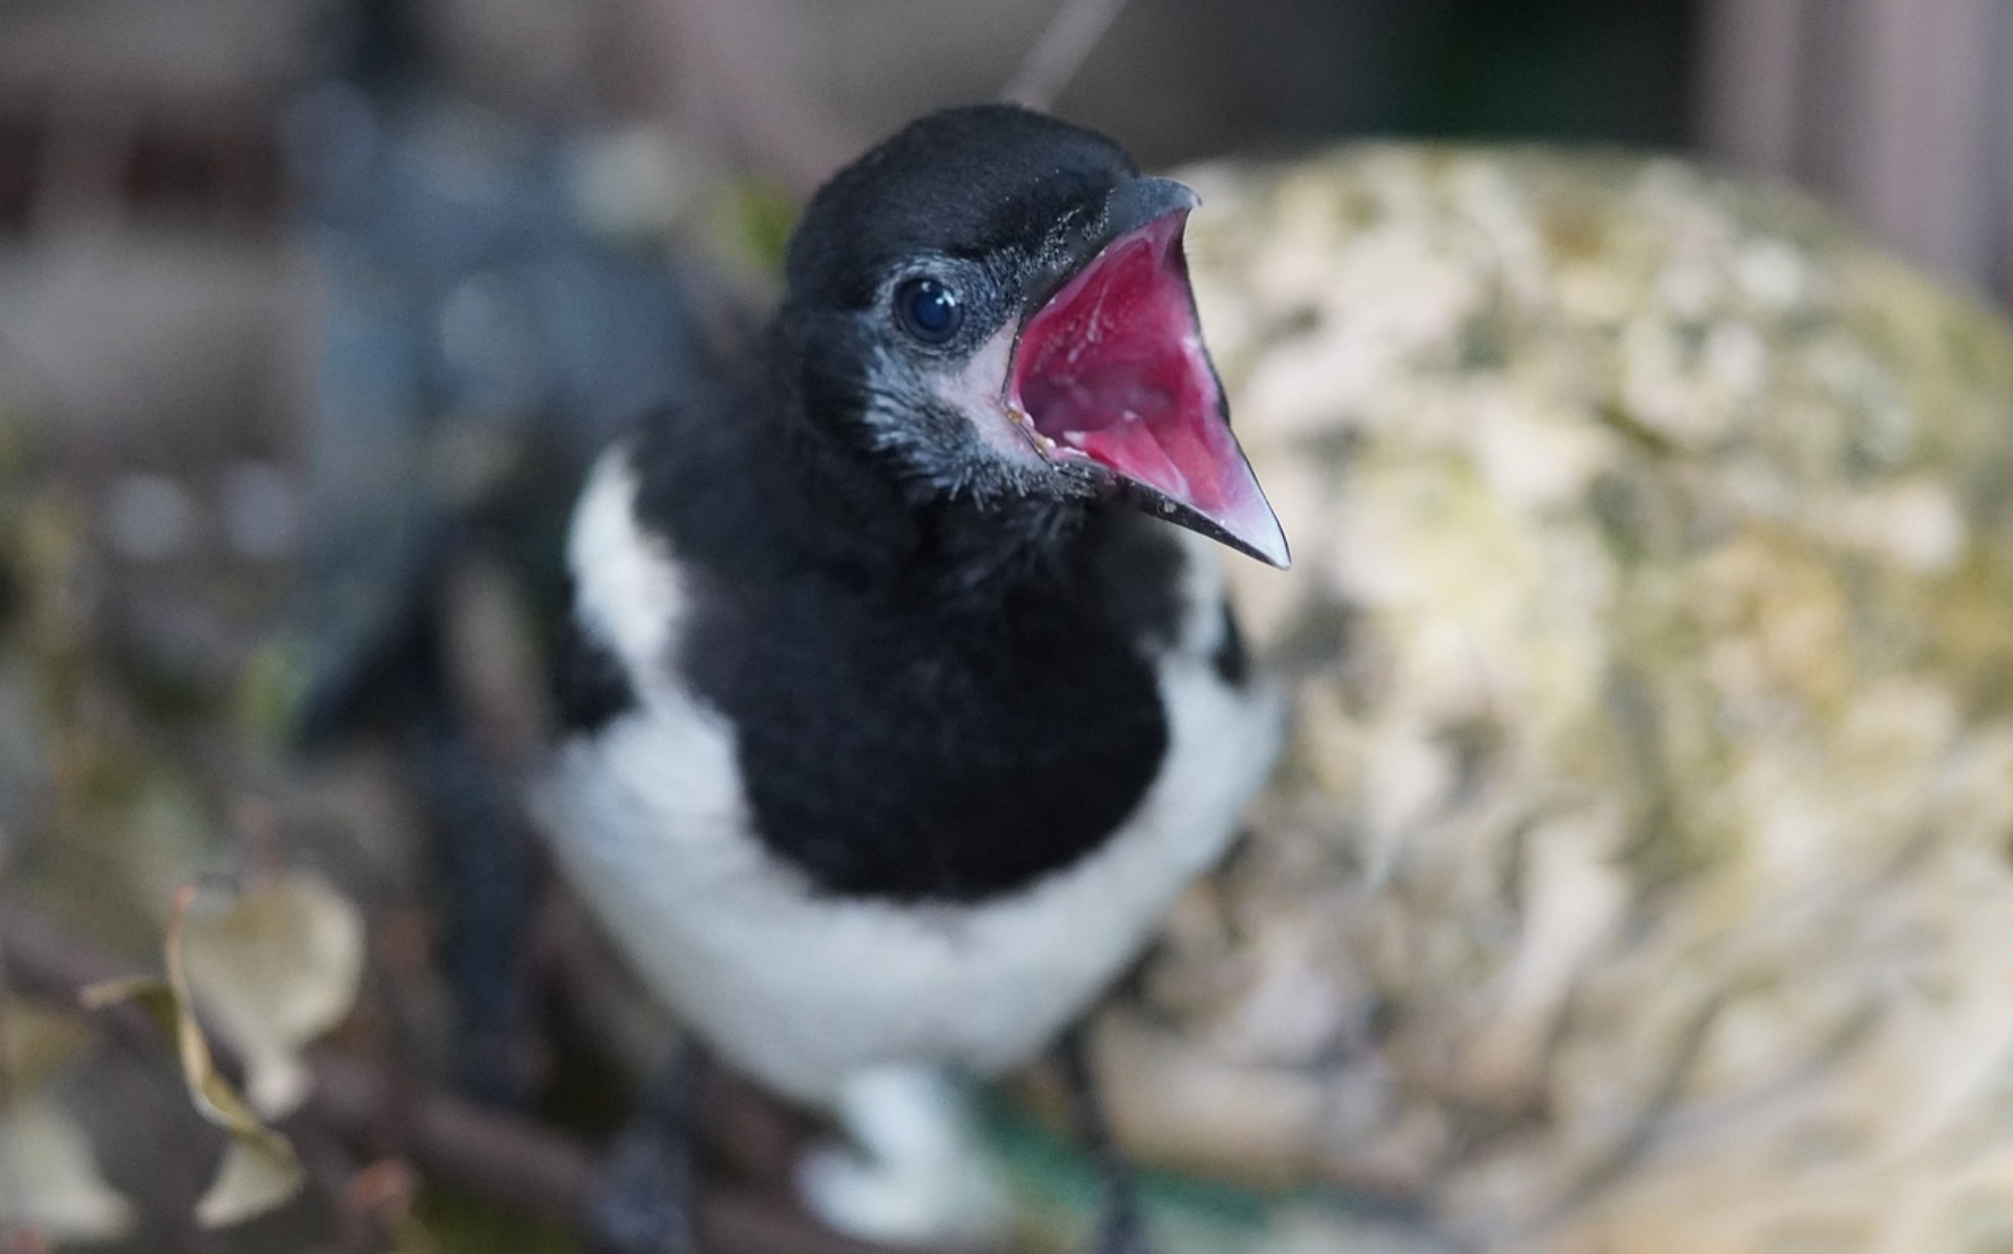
[162, 162]
[314, 310]
[197, 196]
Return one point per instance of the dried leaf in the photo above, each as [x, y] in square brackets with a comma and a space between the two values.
[260, 1169]
[149, 992]
[257, 1175]
[274, 969]
[48, 1176]
[49, 1179]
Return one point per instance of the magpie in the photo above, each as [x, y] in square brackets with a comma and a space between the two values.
[895, 710]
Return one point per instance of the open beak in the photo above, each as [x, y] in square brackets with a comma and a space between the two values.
[1110, 370]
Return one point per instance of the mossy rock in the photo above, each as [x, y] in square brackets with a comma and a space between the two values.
[1638, 876]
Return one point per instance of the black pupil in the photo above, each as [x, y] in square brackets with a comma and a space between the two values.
[930, 309]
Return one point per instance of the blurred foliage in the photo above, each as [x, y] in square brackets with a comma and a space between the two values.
[748, 229]
[1561, 69]
[457, 1222]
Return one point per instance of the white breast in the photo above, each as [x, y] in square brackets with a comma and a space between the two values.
[803, 990]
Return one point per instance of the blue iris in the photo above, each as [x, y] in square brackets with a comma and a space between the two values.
[929, 310]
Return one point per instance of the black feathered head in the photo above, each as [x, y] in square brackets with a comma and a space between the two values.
[999, 302]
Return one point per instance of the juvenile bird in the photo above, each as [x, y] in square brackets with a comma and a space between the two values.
[896, 712]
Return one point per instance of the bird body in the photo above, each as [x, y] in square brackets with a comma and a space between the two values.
[894, 725]
[804, 987]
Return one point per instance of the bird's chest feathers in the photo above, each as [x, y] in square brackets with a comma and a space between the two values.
[835, 831]
[919, 753]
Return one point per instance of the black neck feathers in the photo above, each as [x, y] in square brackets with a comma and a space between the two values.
[935, 700]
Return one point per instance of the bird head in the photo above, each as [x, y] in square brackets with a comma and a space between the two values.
[997, 303]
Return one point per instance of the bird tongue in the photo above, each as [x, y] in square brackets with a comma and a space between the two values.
[1113, 368]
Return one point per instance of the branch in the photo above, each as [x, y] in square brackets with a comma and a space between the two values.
[504, 1158]
[1065, 44]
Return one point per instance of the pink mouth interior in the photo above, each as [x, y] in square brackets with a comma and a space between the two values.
[1113, 367]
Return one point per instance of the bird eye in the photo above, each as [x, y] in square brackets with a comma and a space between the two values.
[929, 310]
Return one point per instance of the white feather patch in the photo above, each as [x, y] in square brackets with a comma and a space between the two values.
[625, 585]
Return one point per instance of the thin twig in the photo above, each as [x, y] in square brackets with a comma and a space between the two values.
[536, 1170]
[1065, 44]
